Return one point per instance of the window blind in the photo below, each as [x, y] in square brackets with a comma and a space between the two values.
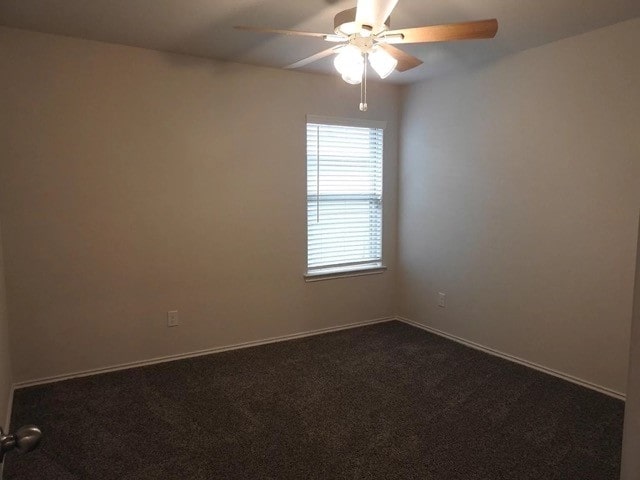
[344, 198]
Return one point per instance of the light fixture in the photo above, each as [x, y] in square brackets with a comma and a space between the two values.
[382, 62]
[362, 50]
[350, 64]
[353, 59]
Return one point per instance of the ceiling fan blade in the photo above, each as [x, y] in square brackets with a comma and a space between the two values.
[442, 33]
[281, 32]
[374, 12]
[405, 61]
[312, 58]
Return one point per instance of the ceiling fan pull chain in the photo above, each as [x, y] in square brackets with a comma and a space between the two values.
[363, 86]
[318, 174]
[361, 94]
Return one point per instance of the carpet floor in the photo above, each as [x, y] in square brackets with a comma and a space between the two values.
[387, 401]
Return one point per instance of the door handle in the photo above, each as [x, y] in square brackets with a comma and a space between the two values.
[23, 440]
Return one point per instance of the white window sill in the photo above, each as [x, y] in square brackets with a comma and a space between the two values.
[317, 277]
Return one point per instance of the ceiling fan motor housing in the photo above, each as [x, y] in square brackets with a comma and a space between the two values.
[344, 23]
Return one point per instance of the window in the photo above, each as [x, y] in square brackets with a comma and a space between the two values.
[344, 196]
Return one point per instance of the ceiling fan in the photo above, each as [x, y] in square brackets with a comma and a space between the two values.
[364, 38]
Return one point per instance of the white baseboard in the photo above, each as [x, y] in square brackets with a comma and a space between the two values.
[513, 358]
[198, 353]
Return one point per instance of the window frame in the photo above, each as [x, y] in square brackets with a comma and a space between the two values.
[358, 270]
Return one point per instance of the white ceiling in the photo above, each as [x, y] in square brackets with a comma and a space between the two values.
[204, 27]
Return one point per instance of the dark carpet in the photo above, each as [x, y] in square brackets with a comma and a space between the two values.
[379, 402]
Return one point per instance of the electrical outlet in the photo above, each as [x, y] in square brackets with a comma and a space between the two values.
[172, 318]
[442, 299]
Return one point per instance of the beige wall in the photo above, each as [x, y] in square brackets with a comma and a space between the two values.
[134, 182]
[5, 357]
[631, 439]
[520, 187]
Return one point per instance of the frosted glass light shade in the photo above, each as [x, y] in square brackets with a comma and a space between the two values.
[382, 62]
[350, 64]
[354, 78]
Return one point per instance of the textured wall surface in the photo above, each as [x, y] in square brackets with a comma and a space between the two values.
[519, 194]
[134, 182]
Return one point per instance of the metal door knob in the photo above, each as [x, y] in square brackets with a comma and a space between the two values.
[23, 440]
